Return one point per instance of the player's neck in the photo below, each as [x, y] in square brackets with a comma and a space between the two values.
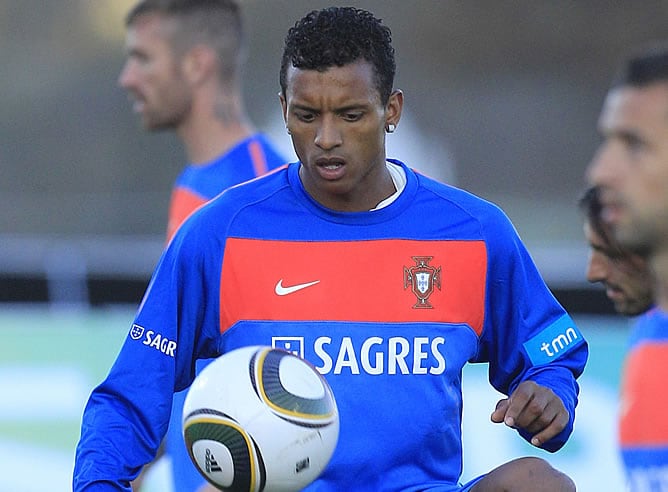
[216, 122]
[205, 141]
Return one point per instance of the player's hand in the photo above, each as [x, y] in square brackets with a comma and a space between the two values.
[534, 408]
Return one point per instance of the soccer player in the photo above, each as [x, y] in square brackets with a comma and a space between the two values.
[624, 274]
[631, 170]
[183, 71]
[387, 281]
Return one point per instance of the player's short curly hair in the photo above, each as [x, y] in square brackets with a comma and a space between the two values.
[337, 36]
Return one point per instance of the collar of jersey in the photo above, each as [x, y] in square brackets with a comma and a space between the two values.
[387, 212]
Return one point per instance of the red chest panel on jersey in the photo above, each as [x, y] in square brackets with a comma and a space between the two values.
[376, 281]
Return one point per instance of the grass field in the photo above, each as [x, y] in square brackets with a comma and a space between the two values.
[51, 359]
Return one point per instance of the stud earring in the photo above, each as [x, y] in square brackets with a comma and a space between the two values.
[390, 128]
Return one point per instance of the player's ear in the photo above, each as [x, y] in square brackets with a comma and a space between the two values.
[393, 108]
[198, 63]
[284, 107]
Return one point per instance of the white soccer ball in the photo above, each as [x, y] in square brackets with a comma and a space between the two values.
[260, 419]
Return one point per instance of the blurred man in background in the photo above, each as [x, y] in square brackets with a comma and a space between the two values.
[631, 171]
[624, 274]
[183, 72]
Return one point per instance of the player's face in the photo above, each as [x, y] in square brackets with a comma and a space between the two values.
[625, 276]
[153, 76]
[631, 166]
[337, 123]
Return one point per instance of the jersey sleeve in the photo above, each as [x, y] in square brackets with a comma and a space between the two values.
[127, 415]
[527, 334]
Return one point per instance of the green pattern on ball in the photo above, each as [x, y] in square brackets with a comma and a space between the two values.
[233, 439]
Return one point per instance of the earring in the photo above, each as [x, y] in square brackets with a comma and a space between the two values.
[390, 128]
[288, 130]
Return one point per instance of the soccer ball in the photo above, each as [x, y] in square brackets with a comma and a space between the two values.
[260, 419]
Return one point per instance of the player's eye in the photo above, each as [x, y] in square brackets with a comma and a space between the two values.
[352, 115]
[305, 116]
[138, 56]
[619, 257]
[634, 144]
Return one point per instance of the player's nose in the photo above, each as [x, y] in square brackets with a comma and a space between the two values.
[328, 135]
[606, 166]
[126, 78]
[597, 270]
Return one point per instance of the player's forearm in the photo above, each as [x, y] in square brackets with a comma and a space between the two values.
[110, 452]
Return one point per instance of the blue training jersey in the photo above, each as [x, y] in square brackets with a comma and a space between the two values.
[199, 183]
[405, 296]
[643, 426]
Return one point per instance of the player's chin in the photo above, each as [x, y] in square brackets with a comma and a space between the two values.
[629, 308]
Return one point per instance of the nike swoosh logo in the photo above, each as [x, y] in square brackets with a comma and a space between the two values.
[284, 291]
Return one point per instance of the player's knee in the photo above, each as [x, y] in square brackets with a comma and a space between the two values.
[557, 480]
[537, 470]
[529, 474]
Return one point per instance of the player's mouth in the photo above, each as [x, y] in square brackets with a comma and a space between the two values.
[614, 294]
[330, 168]
[612, 207]
[138, 106]
[610, 213]
[138, 102]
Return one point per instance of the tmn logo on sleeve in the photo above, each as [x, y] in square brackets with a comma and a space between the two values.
[554, 341]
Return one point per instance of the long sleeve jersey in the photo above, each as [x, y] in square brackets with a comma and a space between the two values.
[388, 304]
[643, 427]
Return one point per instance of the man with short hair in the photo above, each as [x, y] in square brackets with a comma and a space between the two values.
[405, 280]
[631, 171]
[183, 72]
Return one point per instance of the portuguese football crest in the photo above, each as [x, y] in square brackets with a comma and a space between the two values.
[422, 277]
